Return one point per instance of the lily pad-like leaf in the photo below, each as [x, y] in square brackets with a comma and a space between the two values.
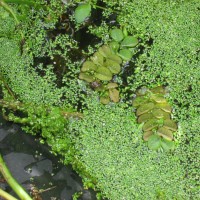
[115, 58]
[103, 74]
[129, 41]
[154, 142]
[117, 34]
[167, 145]
[104, 100]
[165, 133]
[82, 12]
[86, 77]
[145, 117]
[142, 91]
[159, 113]
[145, 108]
[150, 125]
[125, 54]
[113, 66]
[159, 98]
[158, 90]
[112, 85]
[164, 106]
[97, 58]
[170, 124]
[114, 46]
[88, 66]
[140, 100]
[114, 95]
[147, 135]
[105, 51]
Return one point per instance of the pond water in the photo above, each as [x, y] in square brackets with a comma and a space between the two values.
[33, 166]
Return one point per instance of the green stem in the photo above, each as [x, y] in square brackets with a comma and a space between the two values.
[7, 7]
[12, 182]
[5, 195]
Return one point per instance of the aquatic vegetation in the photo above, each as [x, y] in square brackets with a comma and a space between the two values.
[55, 81]
[155, 112]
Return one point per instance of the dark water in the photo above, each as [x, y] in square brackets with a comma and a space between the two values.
[33, 165]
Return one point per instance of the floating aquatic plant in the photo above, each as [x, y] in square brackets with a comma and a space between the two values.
[100, 68]
[155, 112]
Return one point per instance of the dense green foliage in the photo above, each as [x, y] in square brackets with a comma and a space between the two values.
[40, 62]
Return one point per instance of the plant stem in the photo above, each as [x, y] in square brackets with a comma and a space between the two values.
[19, 190]
[6, 195]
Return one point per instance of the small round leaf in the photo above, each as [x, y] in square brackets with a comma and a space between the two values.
[129, 41]
[82, 12]
[154, 142]
[125, 54]
[117, 34]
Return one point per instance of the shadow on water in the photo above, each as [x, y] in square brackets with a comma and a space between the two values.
[33, 166]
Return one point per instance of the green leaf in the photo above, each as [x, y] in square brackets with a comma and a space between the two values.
[113, 66]
[129, 41]
[165, 133]
[97, 58]
[105, 51]
[117, 34]
[125, 54]
[86, 77]
[103, 74]
[88, 66]
[167, 145]
[154, 142]
[114, 46]
[82, 12]
[114, 95]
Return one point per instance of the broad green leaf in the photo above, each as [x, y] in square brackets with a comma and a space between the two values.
[112, 85]
[97, 58]
[117, 34]
[170, 124]
[114, 95]
[145, 117]
[103, 74]
[115, 58]
[167, 145]
[159, 113]
[113, 66]
[158, 90]
[82, 12]
[86, 77]
[105, 51]
[159, 98]
[154, 142]
[150, 125]
[104, 100]
[129, 41]
[145, 108]
[114, 46]
[139, 101]
[125, 54]
[147, 135]
[88, 66]
[165, 133]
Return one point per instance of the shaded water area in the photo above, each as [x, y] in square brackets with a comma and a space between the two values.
[34, 167]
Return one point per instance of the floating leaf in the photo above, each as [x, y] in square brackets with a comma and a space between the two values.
[115, 58]
[117, 34]
[114, 46]
[154, 142]
[139, 101]
[97, 58]
[142, 91]
[167, 145]
[158, 90]
[144, 108]
[164, 106]
[82, 12]
[159, 113]
[125, 54]
[159, 98]
[165, 133]
[150, 125]
[147, 135]
[104, 100]
[145, 117]
[88, 66]
[86, 77]
[112, 85]
[113, 66]
[114, 95]
[129, 41]
[170, 124]
[103, 74]
[105, 51]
